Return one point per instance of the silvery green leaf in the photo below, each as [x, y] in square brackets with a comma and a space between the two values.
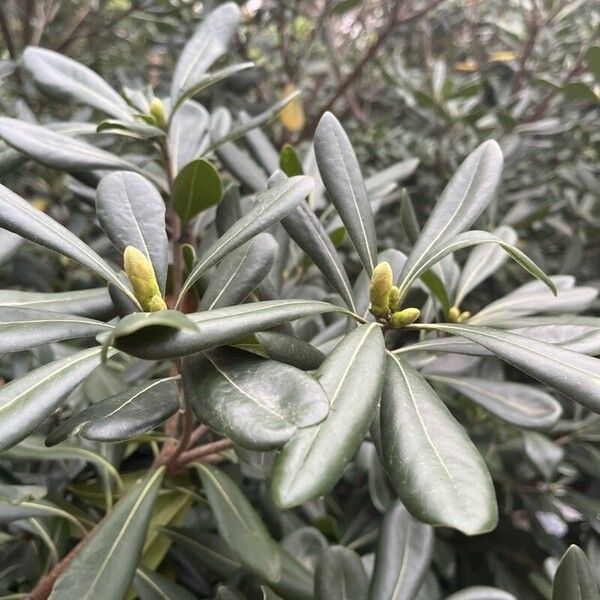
[481, 592]
[240, 164]
[290, 350]
[398, 172]
[340, 574]
[574, 577]
[132, 213]
[188, 134]
[151, 585]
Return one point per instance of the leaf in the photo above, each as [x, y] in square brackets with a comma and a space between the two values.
[574, 578]
[592, 57]
[15, 494]
[241, 165]
[209, 42]
[240, 525]
[481, 592]
[131, 212]
[483, 261]
[220, 326]
[92, 303]
[124, 415]
[311, 463]
[306, 230]
[464, 240]
[135, 322]
[154, 586]
[26, 402]
[261, 147]
[577, 90]
[345, 186]
[516, 403]
[196, 188]
[105, 565]
[575, 375]
[465, 197]
[35, 508]
[341, 575]
[27, 328]
[403, 555]
[399, 172]
[66, 80]
[434, 467]
[58, 150]
[20, 217]
[271, 206]
[290, 350]
[188, 134]
[240, 272]
[256, 402]
[289, 162]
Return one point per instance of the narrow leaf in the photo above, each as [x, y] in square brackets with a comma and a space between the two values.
[154, 586]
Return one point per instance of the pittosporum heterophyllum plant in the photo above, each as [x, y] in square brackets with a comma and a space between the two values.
[224, 343]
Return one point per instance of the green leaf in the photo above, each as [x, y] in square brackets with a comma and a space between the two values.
[15, 494]
[256, 402]
[210, 41]
[64, 79]
[306, 230]
[434, 467]
[260, 146]
[27, 328]
[241, 165]
[105, 565]
[575, 375]
[465, 197]
[132, 213]
[220, 326]
[240, 272]
[289, 162]
[311, 463]
[92, 303]
[269, 594]
[240, 525]
[577, 90]
[574, 577]
[26, 402]
[341, 575]
[592, 57]
[481, 592]
[124, 415]
[290, 350]
[20, 217]
[483, 261]
[464, 240]
[403, 555]
[154, 586]
[271, 206]
[188, 134]
[345, 186]
[35, 508]
[196, 188]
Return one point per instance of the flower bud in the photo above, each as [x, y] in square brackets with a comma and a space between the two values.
[454, 314]
[157, 110]
[464, 316]
[405, 317]
[143, 280]
[380, 288]
[394, 298]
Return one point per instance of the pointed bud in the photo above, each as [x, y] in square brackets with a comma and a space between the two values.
[157, 110]
[454, 314]
[380, 288]
[143, 280]
[394, 298]
[464, 316]
[405, 317]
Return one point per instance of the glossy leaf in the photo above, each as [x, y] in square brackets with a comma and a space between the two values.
[154, 586]
[196, 188]
[64, 79]
[271, 206]
[240, 272]
[574, 577]
[27, 328]
[575, 375]
[289, 162]
[257, 403]
[465, 197]
[124, 415]
[291, 350]
[343, 180]
[26, 402]
[240, 525]
[403, 554]
[209, 42]
[434, 467]
[220, 326]
[311, 463]
[341, 575]
[20, 217]
[105, 565]
[132, 213]
[522, 405]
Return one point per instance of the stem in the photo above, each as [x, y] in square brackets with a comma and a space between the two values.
[205, 451]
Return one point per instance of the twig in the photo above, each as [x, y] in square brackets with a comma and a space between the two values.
[204, 451]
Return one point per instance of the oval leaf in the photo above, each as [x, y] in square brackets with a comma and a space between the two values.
[196, 188]
[574, 578]
[258, 403]
[481, 592]
[341, 575]
[311, 463]
[434, 467]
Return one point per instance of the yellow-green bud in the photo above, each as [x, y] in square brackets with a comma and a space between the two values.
[454, 314]
[141, 274]
[464, 316]
[157, 110]
[394, 298]
[380, 288]
[405, 317]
